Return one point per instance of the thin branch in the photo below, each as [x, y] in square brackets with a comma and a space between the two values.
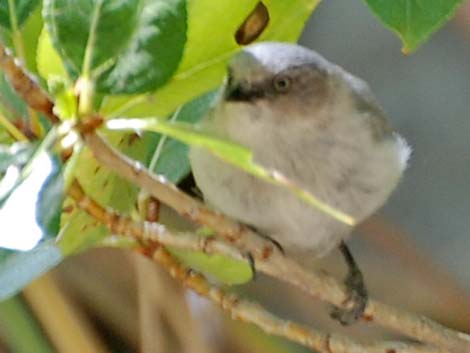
[239, 309]
[26, 86]
[14, 132]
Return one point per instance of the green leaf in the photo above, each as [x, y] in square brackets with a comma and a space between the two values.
[78, 26]
[224, 269]
[30, 33]
[413, 20]
[210, 44]
[22, 9]
[228, 151]
[82, 231]
[156, 49]
[17, 154]
[17, 269]
[10, 103]
[172, 159]
[138, 57]
[49, 201]
[49, 63]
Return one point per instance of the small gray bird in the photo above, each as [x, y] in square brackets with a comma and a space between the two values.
[319, 126]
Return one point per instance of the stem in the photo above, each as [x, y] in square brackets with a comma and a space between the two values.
[86, 68]
[12, 129]
[86, 82]
[161, 143]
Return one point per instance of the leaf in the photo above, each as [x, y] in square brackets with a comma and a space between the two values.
[49, 63]
[12, 104]
[138, 57]
[210, 44]
[30, 31]
[413, 20]
[22, 9]
[225, 269]
[17, 154]
[228, 151]
[49, 201]
[172, 160]
[17, 269]
[30, 199]
[82, 231]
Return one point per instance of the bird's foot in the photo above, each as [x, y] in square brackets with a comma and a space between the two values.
[276, 244]
[249, 256]
[357, 293]
[357, 300]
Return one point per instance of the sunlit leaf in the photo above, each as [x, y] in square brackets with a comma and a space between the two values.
[31, 194]
[83, 231]
[413, 20]
[30, 205]
[49, 201]
[49, 63]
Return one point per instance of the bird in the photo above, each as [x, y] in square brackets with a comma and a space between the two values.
[317, 125]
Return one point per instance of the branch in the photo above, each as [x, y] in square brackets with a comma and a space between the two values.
[270, 260]
[239, 309]
[26, 86]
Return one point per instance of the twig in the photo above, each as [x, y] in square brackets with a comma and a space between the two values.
[269, 259]
[148, 231]
[239, 309]
[14, 132]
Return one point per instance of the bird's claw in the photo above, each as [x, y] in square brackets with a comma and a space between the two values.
[357, 300]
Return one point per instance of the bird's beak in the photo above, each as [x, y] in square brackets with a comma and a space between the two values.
[232, 89]
[236, 91]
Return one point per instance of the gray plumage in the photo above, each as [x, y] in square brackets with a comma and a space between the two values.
[315, 123]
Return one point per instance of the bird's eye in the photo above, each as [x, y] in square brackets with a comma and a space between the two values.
[282, 84]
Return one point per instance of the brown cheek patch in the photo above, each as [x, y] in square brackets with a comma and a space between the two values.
[253, 25]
